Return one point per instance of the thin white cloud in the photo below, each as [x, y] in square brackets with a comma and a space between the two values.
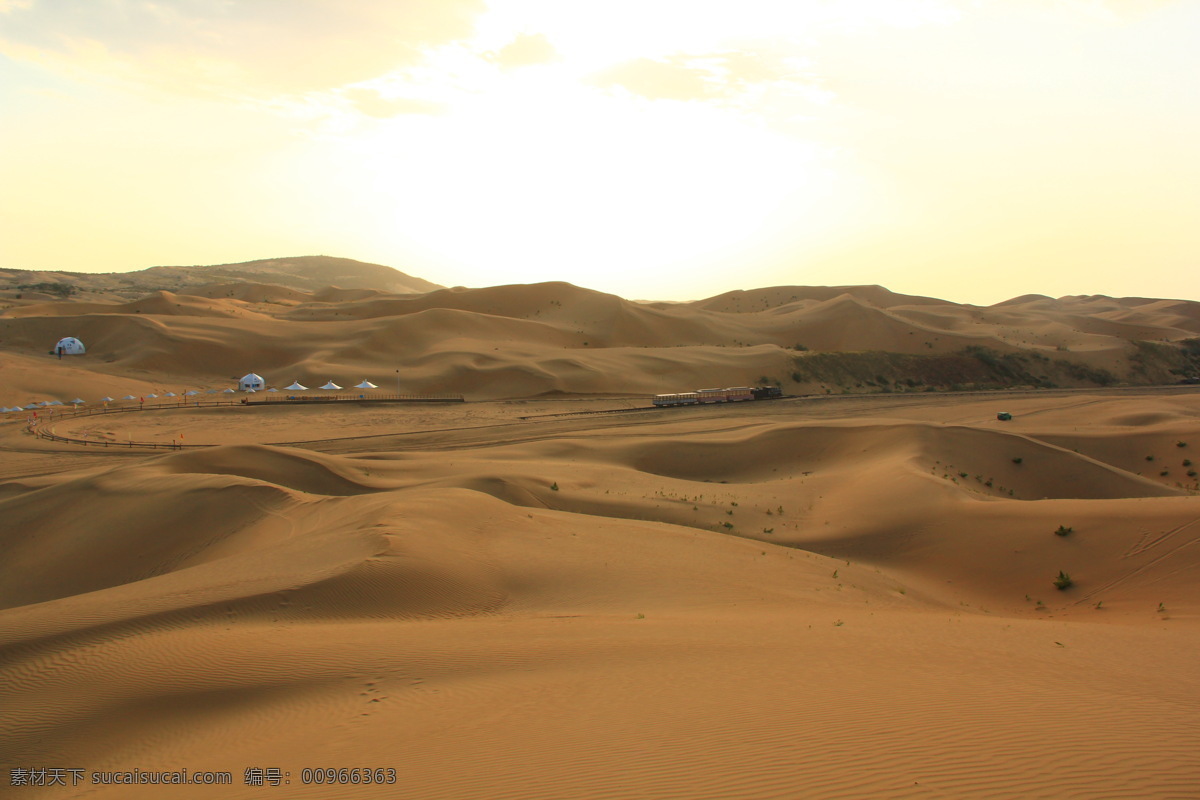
[252, 48]
[723, 76]
[527, 49]
[374, 104]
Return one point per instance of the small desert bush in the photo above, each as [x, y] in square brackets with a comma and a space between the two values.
[1063, 581]
[1063, 530]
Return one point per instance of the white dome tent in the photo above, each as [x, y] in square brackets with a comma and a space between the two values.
[251, 381]
[69, 346]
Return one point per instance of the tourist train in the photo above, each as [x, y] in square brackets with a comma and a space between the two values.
[736, 394]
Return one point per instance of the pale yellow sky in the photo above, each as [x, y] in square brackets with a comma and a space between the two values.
[669, 149]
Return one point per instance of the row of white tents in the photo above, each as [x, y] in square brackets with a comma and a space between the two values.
[255, 383]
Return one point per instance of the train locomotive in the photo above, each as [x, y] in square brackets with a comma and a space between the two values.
[736, 394]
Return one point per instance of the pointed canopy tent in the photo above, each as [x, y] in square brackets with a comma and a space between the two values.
[227, 391]
[152, 395]
[70, 346]
[170, 394]
[129, 397]
[272, 389]
[190, 393]
[331, 385]
[250, 381]
[54, 403]
[106, 399]
[366, 384]
[78, 401]
[211, 391]
[295, 387]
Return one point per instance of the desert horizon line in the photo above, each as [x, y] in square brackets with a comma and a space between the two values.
[631, 297]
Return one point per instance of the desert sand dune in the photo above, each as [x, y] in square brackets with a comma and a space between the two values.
[518, 341]
[759, 299]
[553, 619]
[822, 597]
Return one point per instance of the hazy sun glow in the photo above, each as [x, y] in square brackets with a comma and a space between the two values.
[652, 148]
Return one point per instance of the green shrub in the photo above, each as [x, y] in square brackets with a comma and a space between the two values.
[1063, 581]
[1063, 530]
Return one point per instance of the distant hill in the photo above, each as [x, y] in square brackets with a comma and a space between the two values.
[740, 301]
[306, 273]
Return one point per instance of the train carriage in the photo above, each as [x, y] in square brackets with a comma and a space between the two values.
[677, 399]
[734, 394]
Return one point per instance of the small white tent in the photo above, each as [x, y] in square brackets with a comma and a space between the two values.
[295, 387]
[69, 346]
[249, 382]
[366, 384]
[331, 385]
